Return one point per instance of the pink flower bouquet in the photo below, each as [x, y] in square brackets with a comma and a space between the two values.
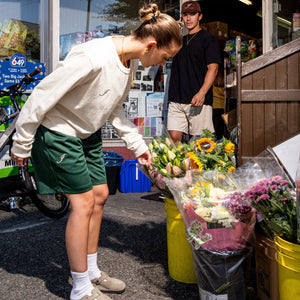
[274, 199]
[219, 225]
[216, 215]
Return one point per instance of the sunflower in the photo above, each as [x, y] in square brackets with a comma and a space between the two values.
[206, 144]
[229, 148]
[195, 162]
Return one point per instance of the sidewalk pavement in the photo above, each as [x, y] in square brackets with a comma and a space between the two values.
[132, 247]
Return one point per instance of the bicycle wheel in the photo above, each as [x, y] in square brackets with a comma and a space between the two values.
[54, 206]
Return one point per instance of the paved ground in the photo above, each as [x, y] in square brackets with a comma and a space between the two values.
[132, 246]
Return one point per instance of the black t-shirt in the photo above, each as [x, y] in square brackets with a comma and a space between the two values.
[189, 67]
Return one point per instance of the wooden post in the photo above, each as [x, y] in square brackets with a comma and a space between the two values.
[238, 86]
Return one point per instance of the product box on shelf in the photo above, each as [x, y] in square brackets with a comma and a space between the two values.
[296, 22]
[217, 28]
[233, 34]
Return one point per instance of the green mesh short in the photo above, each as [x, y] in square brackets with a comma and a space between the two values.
[66, 164]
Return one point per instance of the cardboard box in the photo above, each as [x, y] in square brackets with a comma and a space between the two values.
[266, 269]
[296, 22]
[244, 37]
[218, 29]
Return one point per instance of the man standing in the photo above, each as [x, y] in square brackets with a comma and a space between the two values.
[194, 69]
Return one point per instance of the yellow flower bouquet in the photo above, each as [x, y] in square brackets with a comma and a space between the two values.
[210, 155]
[204, 154]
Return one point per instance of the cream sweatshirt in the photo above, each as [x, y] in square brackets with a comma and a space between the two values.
[87, 88]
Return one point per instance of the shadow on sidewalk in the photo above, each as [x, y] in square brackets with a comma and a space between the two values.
[146, 244]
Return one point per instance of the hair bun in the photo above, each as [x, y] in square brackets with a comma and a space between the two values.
[147, 12]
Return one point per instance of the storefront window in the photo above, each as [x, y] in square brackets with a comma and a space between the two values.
[19, 29]
[82, 20]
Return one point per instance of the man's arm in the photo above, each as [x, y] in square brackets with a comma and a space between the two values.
[209, 79]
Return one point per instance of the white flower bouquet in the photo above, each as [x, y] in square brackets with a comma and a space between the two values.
[216, 215]
[219, 225]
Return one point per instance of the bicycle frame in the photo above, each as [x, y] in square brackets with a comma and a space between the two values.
[15, 188]
[7, 165]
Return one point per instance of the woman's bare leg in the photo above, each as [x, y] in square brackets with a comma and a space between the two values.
[106, 283]
[83, 227]
[77, 230]
[101, 195]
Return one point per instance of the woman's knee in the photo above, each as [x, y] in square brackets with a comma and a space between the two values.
[101, 193]
[82, 204]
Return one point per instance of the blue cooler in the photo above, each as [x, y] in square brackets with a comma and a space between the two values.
[132, 179]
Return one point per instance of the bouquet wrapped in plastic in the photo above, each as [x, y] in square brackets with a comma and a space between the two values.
[275, 201]
[270, 190]
[168, 161]
[219, 225]
[202, 154]
[220, 210]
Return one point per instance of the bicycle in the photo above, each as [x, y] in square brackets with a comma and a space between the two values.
[20, 183]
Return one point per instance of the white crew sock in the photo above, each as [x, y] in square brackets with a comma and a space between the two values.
[82, 285]
[94, 271]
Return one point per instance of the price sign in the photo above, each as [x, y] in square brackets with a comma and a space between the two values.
[12, 71]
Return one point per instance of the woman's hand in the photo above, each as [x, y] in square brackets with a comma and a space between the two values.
[145, 159]
[20, 161]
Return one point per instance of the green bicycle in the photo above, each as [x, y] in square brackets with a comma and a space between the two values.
[17, 184]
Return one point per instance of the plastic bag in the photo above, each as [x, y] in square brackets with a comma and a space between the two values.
[219, 226]
[112, 159]
[219, 218]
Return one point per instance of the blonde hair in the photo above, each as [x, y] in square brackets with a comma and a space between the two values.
[159, 25]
